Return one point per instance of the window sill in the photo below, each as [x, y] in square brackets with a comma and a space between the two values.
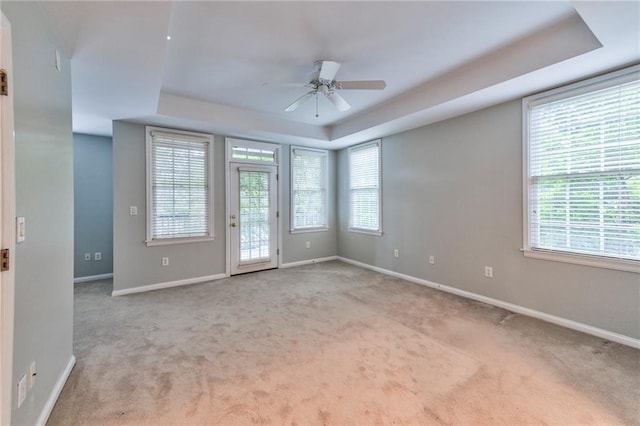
[366, 231]
[578, 259]
[171, 241]
[307, 230]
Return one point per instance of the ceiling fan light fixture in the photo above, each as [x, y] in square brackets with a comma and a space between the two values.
[323, 81]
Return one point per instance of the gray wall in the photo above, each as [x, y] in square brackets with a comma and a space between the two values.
[323, 243]
[44, 196]
[136, 265]
[454, 190]
[93, 204]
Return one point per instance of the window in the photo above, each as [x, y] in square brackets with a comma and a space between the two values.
[179, 190]
[582, 172]
[308, 189]
[364, 188]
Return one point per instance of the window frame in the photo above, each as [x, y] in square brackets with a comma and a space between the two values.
[150, 240]
[351, 228]
[571, 90]
[325, 185]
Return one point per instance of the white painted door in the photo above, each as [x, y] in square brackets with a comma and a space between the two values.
[253, 219]
[7, 224]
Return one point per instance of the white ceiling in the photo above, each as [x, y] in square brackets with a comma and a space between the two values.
[439, 59]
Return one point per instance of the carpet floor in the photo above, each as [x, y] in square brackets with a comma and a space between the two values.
[332, 343]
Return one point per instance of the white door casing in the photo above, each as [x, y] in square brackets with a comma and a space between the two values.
[7, 226]
[247, 154]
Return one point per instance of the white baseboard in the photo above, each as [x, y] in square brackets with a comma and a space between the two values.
[92, 278]
[309, 261]
[55, 393]
[168, 284]
[574, 325]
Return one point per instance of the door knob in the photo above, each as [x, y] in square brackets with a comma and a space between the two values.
[233, 225]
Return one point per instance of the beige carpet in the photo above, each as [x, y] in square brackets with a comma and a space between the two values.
[333, 344]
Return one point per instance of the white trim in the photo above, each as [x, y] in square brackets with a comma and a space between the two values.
[575, 89]
[309, 261]
[204, 137]
[365, 232]
[325, 172]
[55, 393]
[7, 226]
[89, 278]
[168, 284]
[351, 228]
[172, 241]
[308, 230]
[277, 149]
[230, 142]
[576, 258]
[574, 325]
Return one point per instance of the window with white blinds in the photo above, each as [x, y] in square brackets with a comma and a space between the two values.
[309, 174]
[364, 188]
[583, 162]
[179, 186]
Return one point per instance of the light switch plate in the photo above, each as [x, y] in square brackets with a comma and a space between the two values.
[21, 232]
[133, 210]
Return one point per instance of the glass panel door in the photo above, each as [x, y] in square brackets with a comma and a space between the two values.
[253, 219]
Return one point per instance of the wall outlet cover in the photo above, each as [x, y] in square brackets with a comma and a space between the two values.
[97, 256]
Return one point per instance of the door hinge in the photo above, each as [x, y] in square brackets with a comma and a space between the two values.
[277, 214]
[4, 259]
[4, 83]
[277, 176]
[278, 252]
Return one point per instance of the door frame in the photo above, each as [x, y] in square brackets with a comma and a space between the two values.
[7, 226]
[277, 149]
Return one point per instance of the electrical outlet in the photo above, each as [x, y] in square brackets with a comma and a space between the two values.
[87, 256]
[97, 256]
[133, 210]
[488, 271]
[396, 253]
[307, 244]
[432, 260]
[32, 374]
[22, 390]
[165, 261]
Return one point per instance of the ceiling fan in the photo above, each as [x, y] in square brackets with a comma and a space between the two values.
[323, 82]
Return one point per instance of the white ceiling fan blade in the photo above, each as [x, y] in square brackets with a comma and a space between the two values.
[302, 99]
[268, 84]
[328, 70]
[361, 85]
[338, 101]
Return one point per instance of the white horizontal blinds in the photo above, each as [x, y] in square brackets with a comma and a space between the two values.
[180, 186]
[584, 172]
[309, 176]
[364, 177]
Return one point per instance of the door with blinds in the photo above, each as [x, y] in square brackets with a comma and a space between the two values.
[253, 217]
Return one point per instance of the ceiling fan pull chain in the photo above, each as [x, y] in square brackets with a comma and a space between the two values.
[317, 115]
